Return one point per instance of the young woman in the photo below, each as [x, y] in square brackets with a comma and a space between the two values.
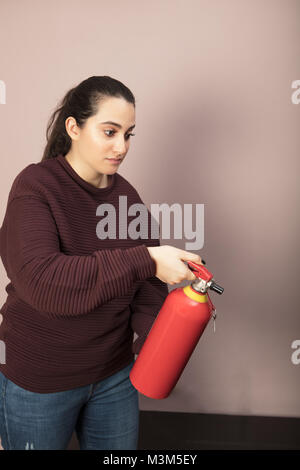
[76, 297]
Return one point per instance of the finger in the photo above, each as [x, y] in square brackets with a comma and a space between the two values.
[192, 276]
[188, 256]
[189, 275]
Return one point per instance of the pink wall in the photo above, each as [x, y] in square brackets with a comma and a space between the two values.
[215, 126]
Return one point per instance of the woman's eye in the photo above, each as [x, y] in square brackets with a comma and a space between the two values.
[128, 135]
[109, 135]
[113, 132]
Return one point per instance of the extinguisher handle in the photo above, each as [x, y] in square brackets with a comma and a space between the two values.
[200, 271]
[203, 273]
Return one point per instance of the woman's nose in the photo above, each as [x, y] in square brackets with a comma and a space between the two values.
[120, 146]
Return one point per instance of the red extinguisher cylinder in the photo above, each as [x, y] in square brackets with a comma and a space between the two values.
[170, 342]
[173, 337]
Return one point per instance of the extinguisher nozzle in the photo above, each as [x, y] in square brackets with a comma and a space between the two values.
[214, 286]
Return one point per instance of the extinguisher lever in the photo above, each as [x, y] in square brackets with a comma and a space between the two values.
[200, 271]
[205, 278]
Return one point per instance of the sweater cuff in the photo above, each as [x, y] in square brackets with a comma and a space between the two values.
[144, 265]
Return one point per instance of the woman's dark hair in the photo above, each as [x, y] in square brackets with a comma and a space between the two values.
[81, 103]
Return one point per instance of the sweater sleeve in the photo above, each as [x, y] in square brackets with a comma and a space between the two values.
[57, 284]
[145, 307]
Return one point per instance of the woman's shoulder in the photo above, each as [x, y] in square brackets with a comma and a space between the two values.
[31, 180]
[128, 187]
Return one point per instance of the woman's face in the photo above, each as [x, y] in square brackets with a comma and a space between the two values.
[100, 140]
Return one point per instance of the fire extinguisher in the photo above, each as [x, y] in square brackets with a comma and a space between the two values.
[174, 335]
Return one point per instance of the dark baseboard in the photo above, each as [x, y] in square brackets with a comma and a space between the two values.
[184, 431]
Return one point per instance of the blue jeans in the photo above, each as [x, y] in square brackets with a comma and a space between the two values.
[105, 415]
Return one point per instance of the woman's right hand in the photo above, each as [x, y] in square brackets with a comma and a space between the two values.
[169, 263]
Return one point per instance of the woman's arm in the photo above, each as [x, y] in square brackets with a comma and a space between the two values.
[57, 284]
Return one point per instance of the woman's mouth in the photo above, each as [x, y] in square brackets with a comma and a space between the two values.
[114, 160]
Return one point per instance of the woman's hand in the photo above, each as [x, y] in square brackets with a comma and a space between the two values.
[169, 263]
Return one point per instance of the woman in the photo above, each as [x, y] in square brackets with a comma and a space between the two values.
[76, 297]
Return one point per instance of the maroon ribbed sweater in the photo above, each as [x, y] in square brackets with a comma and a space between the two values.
[74, 300]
